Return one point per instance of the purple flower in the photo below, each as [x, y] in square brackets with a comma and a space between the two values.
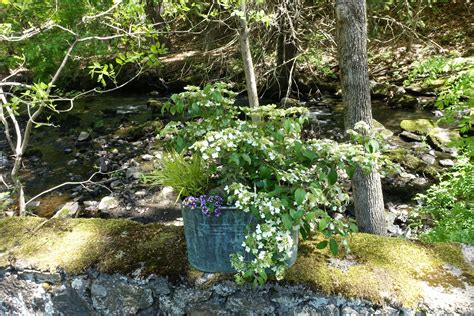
[210, 205]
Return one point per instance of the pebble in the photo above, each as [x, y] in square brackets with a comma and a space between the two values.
[428, 159]
[446, 162]
[108, 203]
[140, 193]
[147, 157]
[83, 136]
[409, 136]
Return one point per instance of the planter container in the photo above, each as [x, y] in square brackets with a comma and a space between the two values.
[211, 240]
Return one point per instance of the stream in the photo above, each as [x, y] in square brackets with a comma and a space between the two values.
[57, 154]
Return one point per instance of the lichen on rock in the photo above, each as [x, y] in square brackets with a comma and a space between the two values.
[419, 126]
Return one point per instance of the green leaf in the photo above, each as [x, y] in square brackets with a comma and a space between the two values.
[173, 110]
[235, 158]
[332, 176]
[305, 230]
[287, 222]
[195, 108]
[247, 158]
[353, 227]
[373, 146]
[350, 171]
[323, 244]
[287, 125]
[265, 172]
[323, 223]
[334, 247]
[300, 195]
[217, 96]
[296, 215]
[309, 154]
[310, 216]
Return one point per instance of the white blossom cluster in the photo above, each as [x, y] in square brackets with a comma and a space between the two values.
[270, 244]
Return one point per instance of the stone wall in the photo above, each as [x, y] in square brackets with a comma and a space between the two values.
[30, 292]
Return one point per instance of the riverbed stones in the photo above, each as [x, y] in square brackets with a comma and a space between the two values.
[419, 126]
[68, 210]
[411, 137]
[91, 205]
[154, 105]
[166, 198]
[133, 173]
[443, 138]
[446, 162]
[147, 157]
[245, 302]
[108, 203]
[83, 136]
[428, 159]
[289, 102]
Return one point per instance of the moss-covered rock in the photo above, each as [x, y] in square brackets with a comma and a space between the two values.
[443, 139]
[382, 130]
[154, 105]
[411, 162]
[380, 269]
[419, 126]
[76, 245]
[136, 132]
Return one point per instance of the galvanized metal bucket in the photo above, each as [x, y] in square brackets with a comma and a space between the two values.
[211, 240]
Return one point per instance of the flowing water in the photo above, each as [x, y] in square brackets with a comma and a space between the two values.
[56, 156]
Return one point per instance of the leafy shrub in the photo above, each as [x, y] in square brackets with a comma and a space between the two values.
[455, 95]
[267, 168]
[449, 206]
[186, 175]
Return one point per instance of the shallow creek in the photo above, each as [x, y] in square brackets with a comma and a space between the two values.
[56, 155]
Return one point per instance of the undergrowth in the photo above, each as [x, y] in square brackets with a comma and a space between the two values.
[448, 207]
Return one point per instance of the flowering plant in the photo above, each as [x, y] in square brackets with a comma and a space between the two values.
[209, 205]
[285, 181]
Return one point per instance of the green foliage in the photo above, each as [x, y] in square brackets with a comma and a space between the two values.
[449, 206]
[204, 110]
[65, 21]
[315, 58]
[187, 176]
[454, 79]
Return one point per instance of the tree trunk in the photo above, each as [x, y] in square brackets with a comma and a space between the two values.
[249, 70]
[154, 10]
[352, 48]
[413, 23]
[286, 46]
